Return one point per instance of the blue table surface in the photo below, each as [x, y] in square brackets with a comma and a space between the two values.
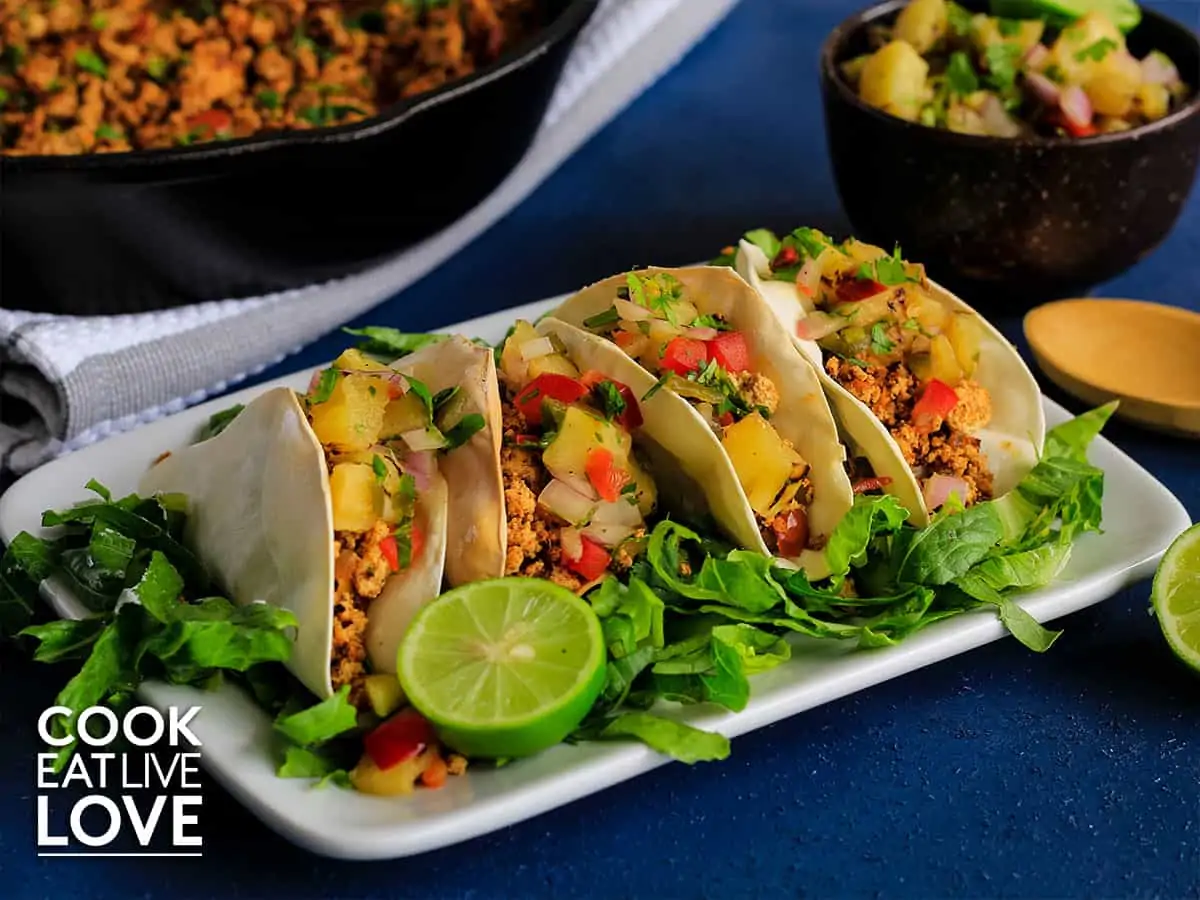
[999, 773]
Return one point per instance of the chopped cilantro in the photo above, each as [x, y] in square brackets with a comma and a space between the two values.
[1054, 73]
[88, 61]
[1002, 59]
[106, 132]
[959, 20]
[3, 96]
[422, 391]
[1097, 51]
[325, 385]
[960, 74]
[811, 241]
[608, 398]
[880, 344]
[99, 22]
[268, 99]
[407, 492]
[911, 325]
[888, 270]
[156, 68]
[658, 386]
[1008, 27]
[637, 292]
[444, 396]
[602, 320]
[764, 240]
[467, 427]
[661, 293]
[710, 321]
[379, 468]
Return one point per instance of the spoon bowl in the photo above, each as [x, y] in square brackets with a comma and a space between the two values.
[1146, 355]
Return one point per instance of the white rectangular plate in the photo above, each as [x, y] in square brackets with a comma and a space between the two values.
[1140, 519]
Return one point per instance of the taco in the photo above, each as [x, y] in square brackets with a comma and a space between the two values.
[709, 342]
[334, 504]
[932, 399]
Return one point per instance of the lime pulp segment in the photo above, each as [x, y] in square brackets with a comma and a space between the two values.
[1176, 596]
[511, 654]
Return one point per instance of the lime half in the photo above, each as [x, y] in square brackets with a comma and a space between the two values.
[1176, 596]
[503, 668]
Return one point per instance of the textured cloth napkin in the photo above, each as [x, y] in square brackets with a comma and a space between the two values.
[85, 378]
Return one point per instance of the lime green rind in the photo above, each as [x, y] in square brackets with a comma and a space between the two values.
[1175, 594]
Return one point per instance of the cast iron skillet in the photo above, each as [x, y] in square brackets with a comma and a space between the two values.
[119, 233]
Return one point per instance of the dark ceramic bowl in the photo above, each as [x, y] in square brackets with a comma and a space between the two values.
[1011, 221]
[117, 233]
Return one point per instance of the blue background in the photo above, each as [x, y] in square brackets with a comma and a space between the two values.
[999, 773]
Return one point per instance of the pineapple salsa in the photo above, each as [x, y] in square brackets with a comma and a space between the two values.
[576, 495]
[380, 431]
[891, 343]
[702, 359]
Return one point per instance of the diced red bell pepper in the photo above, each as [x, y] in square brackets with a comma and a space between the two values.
[730, 351]
[854, 289]
[934, 405]
[684, 355]
[416, 540]
[390, 552]
[211, 122]
[1072, 128]
[593, 560]
[604, 476]
[725, 419]
[864, 485]
[787, 256]
[631, 417]
[403, 736]
[791, 535]
[550, 386]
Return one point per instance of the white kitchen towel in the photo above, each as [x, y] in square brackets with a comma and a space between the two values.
[85, 378]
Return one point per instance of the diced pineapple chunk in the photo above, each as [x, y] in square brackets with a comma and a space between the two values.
[1068, 52]
[930, 313]
[391, 477]
[943, 363]
[647, 491]
[894, 80]
[579, 433]
[922, 23]
[384, 693]
[400, 779]
[404, 414]
[921, 366]
[352, 416]
[861, 251]
[965, 334]
[761, 458]
[356, 360]
[514, 370]
[1114, 84]
[986, 31]
[553, 363]
[1153, 100]
[357, 497]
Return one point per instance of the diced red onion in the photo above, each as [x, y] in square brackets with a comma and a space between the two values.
[808, 279]
[1157, 68]
[939, 487]
[421, 467]
[700, 334]
[421, 439]
[998, 122]
[607, 535]
[564, 501]
[1037, 56]
[571, 542]
[536, 348]
[1076, 106]
[817, 325]
[622, 512]
[631, 311]
[1045, 90]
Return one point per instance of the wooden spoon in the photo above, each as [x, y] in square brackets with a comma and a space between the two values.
[1146, 355]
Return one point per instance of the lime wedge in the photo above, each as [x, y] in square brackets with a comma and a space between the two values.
[1176, 596]
[503, 668]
